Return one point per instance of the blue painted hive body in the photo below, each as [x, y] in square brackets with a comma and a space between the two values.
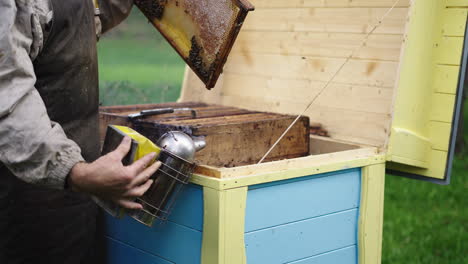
[310, 219]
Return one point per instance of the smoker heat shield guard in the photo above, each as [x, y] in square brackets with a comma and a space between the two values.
[201, 31]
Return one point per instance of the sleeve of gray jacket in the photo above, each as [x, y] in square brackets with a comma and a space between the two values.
[113, 12]
[33, 147]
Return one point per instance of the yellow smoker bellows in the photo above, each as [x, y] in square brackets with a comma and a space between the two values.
[201, 31]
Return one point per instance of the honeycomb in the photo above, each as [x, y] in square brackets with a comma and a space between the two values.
[201, 31]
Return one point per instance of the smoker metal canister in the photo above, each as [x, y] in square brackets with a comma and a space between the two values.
[169, 180]
[176, 157]
[140, 146]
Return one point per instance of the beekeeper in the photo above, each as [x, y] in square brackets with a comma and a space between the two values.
[49, 140]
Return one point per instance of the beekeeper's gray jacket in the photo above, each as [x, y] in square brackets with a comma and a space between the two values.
[32, 146]
[49, 122]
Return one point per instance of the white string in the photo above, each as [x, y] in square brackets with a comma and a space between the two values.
[330, 80]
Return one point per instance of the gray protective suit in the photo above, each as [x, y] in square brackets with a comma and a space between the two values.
[48, 123]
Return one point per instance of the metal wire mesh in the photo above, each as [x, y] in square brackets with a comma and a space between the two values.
[169, 181]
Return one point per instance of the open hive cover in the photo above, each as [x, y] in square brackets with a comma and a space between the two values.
[201, 31]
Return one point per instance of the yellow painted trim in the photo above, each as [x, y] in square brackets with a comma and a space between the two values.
[456, 3]
[411, 107]
[371, 214]
[223, 226]
[437, 159]
[454, 21]
[449, 50]
[438, 132]
[442, 108]
[415, 150]
[224, 184]
[446, 79]
[426, 87]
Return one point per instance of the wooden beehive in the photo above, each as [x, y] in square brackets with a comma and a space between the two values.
[234, 136]
[392, 108]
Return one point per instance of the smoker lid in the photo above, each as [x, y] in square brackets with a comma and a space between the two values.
[201, 31]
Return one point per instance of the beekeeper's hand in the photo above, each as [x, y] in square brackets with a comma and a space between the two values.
[109, 179]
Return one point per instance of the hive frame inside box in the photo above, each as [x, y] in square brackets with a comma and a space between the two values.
[323, 152]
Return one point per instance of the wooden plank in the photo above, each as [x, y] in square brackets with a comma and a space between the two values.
[415, 85]
[289, 169]
[442, 107]
[246, 143]
[224, 120]
[301, 198]
[358, 72]
[454, 22]
[439, 133]
[223, 235]
[427, 50]
[301, 91]
[347, 255]
[188, 209]
[412, 148]
[343, 124]
[199, 112]
[302, 239]
[181, 112]
[446, 79]
[332, 45]
[116, 115]
[234, 136]
[346, 20]
[121, 253]
[327, 3]
[438, 161]
[214, 233]
[371, 214]
[234, 226]
[449, 50]
[456, 3]
[241, 139]
[242, 142]
[139, 107]
[285, 169]
[166, 240]
[323, 145]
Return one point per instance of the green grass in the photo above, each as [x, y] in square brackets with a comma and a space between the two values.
[424, 223]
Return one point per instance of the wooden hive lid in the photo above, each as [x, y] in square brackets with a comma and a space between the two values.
[398, 90]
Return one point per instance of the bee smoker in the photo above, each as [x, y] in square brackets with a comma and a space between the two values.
[177, 164]
[176, 152]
